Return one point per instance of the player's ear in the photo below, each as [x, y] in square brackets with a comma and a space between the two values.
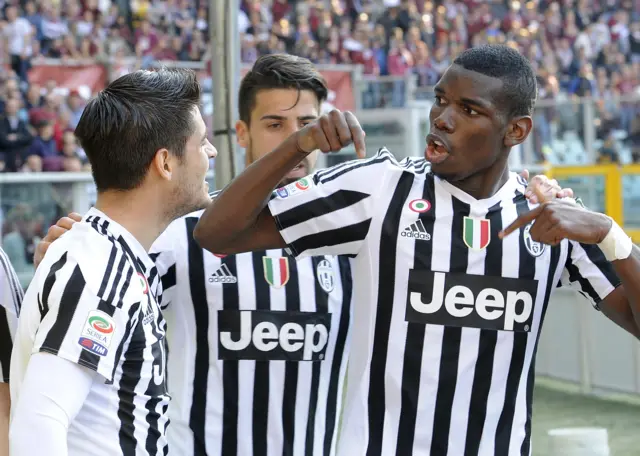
[242, 134]
[164, 164]
[517, 131]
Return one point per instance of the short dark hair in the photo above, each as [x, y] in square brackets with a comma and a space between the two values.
[279, 71]
[519, 87]
[123, 127]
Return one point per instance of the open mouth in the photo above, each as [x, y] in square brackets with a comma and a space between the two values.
[436, 151]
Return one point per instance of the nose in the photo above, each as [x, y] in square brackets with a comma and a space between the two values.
[444, 122]
[212, 152]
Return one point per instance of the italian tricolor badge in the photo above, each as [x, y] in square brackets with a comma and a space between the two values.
[276, 270]
[476, 233]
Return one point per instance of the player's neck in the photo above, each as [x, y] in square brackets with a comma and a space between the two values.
[485, 184]
[136, 213]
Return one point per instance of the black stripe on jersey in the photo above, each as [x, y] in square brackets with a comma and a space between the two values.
[169, 278]
[343, 235]
[324, 205]
[526, 271]
[448, 370]
[7, 345]
[230, 376]
[487, 342]
[598, 259]
[322, 306]
[101, 227]
[48, 284]
[14, 282]
[155, 392]
[338, 357]
[329, 174]
[261, 374]
[131, 363]
[575, 276]
[292, 302]
[109, 268]
[525, 450]
[125, 286]
[68, 303]
[119, 270]
[197, 288]
[414, 344]
[386, 269]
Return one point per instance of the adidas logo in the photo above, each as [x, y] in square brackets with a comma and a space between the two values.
[416, 231]
[223, 275]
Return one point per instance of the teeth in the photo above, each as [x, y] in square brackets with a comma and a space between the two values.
[438, 143]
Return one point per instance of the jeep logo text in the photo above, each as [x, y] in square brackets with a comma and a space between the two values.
[273, 335]
[474, 301]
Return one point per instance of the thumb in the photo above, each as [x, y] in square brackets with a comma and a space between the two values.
[525, 174]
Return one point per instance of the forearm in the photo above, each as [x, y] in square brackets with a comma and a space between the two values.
[5, 405]
[50, 397]
[237, 208]
[629, 272]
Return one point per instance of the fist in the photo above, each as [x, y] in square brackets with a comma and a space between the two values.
[331, 133]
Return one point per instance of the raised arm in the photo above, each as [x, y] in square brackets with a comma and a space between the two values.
[603, 263]
[238, 220]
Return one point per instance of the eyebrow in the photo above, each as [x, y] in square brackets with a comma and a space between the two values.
[276, 117]
[468, 101]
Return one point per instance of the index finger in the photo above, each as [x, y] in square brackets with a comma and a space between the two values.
[75, 216]
[357, 134]
[521, 221]
[540, 194]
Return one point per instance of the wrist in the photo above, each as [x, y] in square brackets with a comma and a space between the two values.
[616, 245]
[301, 149]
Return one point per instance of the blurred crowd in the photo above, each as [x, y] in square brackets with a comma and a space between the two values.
[579, 48]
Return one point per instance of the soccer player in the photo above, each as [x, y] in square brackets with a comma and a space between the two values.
[89, 360]
[10, 302]
[260, 340]
[257, 341]
[447, 310]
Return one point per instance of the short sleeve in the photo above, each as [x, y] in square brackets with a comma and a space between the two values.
[11, 295]
[8, 325]
[330, 211]
[163, 254]
[588, 272]
[87, 312]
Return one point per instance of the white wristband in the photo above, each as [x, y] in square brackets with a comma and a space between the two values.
[616, 245]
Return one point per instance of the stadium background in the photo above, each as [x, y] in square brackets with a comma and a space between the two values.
[381, 59]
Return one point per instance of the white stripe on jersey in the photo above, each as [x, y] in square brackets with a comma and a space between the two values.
[232, 391]
[11, 295]
[446, 325]
[92, 302]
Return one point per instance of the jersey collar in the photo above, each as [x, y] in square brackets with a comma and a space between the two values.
[506, 192]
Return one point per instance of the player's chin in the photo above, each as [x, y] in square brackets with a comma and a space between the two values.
[447, 172]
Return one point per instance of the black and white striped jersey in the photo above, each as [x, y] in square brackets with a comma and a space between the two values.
[11, 295]
[258, 347]
[446, 315]
[92, 302]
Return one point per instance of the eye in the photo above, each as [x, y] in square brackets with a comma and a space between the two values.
[470, 111]
[439, 100]
[274, 126]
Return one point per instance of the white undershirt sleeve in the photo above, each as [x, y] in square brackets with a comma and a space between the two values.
[51, 395]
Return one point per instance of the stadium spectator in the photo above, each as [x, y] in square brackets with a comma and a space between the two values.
[15, 136]
[583, 48]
